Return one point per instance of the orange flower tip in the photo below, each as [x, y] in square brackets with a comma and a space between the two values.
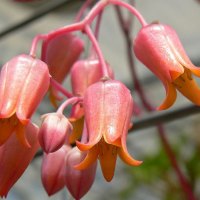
[83, 147]
[108, 176]
[169, 99]
[161, 107]
[195, 71]
[135, 163]
[138, 162]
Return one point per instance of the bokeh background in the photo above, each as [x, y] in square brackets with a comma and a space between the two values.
[155, 179]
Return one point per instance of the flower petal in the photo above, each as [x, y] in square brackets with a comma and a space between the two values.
[54, 131]
[118, 109]
[12, 78]
[53, 175]
[107, 157]
[60, 52]
[188, 87]
[15, 158]
[35, 86]
[90, 158]
[78, 182]
[87, 146]
[77, 129]
[170, 97]
[126, 157]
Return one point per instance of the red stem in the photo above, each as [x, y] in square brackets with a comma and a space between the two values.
[68, 102]
[183, 181]
[104, 67]
[60, 88]
[35, 41]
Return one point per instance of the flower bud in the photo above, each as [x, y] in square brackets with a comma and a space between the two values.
[53, 170]
[78, 182]
[54, 131]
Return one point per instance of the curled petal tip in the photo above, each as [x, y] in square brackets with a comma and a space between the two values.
[83, 147]
[126, 157]
[170, 97]
[90, 158]
[138, 162]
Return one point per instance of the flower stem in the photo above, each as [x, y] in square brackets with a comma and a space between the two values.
[35, 41]
[60, 88]
[131, 9]
[70, 101]
[183, 181]
[98, 51]
[80, 26]
[97, 26]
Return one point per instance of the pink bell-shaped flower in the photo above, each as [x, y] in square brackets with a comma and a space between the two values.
[15, 158]
[83, 74]
[54, 131]
[53, 170]
[24, 80]
[78, 182]
[108, 107]
[158, 47]
[60, 52]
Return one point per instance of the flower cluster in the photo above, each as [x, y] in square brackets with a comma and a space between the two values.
[102, 107]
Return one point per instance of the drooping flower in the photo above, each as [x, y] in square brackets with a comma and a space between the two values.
[83, 74]
[54, 131]
[16, 157]
[158, 47]
[24, 80]
[53, 170]
[60, 52]
[108, 108]
[78, 182]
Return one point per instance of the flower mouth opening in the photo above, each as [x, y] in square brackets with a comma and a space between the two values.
[186, 85]
[183, 79]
